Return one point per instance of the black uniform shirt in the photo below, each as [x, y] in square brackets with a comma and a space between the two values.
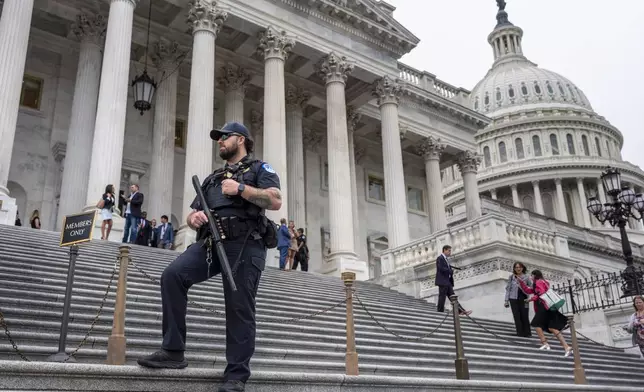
[258, 175]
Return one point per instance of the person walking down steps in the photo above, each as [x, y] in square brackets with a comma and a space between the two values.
[239, 193]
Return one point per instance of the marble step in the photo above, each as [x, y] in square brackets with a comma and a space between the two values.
[105, 378]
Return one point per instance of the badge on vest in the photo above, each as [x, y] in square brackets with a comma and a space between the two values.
[268, 168]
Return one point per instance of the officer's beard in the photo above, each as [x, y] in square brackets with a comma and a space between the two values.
[228, 153]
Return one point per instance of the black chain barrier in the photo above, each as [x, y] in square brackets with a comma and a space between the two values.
[555, 335]
[7, 333]
[220, 313]
[381, 325]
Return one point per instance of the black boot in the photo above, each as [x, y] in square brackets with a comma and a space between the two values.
[232, 386]
[164, 359]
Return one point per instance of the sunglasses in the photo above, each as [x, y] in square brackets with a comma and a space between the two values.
[225, 136]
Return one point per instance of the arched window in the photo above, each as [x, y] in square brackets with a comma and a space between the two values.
[524, 89]
[536, 145]
[518, 146]
[528, 203]
[549, 87]
[554, 144]
[548, 207]
[610, 155]
[487, 157]
[599, 146]
[499, 96]
[503, 154]
[510, 91]
[537, 88]
[571, 144]
[487, 99]
[584, 141]
[561, 90]
[476, 103]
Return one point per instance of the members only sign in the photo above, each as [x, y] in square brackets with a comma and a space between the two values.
[77, 228]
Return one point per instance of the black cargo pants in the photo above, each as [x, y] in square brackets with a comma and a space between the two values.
[191, 268]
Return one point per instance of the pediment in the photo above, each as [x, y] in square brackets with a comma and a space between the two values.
[371, 18]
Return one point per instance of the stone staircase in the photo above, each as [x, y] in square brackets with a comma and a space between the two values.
[304, 355]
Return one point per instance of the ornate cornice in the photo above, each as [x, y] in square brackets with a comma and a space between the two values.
[296, 98]
[274, 44]
[574, 243]
[387, 90]
[468, 162]
[430, 148]
[361, 19]
[334, 68]
[167, 54]
[234, 78]
[90, 28]
[205, 15]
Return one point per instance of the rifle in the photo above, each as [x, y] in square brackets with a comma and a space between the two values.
[219, 246]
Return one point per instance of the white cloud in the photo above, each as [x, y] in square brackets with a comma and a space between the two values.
[596, 44]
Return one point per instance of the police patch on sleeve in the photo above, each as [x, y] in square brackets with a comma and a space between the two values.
[268, 168]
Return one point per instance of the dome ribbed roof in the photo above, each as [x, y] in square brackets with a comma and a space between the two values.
[521, 83]
[515, 83]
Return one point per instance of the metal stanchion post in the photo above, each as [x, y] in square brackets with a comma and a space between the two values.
[580, 374]
[116, 341]
[462, 368]
[351, 354]
[61, 355]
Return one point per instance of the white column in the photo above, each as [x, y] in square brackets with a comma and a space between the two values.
[601, 195]
[166, 56]
[538, 203]
[205, 20]
[388, 93]
[109, 129]
[561, 213]
[468, 163]
[334, 70]
[234, 81]
[257, 132]
[493, 194]
[515, 196]
[275, 47]
[431, 149]
[14, 37]
[90, 30]
[353, 118]
[582, 201]
[296, 101]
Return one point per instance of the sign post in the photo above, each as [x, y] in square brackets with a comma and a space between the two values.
[77, 229]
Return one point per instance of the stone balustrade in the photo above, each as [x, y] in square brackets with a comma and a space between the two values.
[493, 227]
[541, 224]
[428, 82]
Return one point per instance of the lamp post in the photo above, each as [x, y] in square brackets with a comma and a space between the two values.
[624, 204]
[144, 86]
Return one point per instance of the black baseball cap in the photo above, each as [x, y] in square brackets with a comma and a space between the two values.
[231, 127]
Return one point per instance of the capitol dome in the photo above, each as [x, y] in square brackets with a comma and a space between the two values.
[514, 81]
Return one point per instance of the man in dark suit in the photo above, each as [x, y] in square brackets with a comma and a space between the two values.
[144, 231]
[445, 280]
[165, 233]
[132, 214]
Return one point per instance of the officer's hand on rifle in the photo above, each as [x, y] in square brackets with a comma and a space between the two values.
[197, 219]
[229, 187]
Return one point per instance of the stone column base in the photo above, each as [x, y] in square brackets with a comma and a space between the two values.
[184, 238]
[8, 210]
[340, 262]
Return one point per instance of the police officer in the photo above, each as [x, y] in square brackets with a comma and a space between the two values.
[238, 194]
